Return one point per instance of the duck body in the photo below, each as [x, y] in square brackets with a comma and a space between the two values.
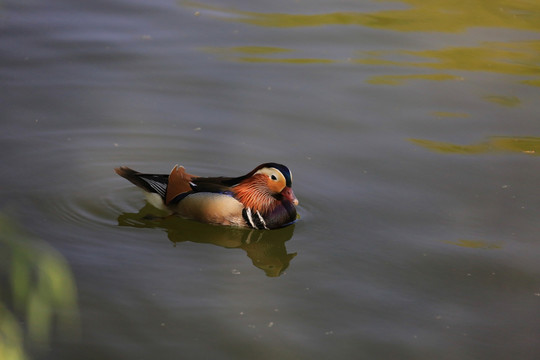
[261, 199]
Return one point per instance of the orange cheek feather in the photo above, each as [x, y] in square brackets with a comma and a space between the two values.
[275, 186]
[252, 193]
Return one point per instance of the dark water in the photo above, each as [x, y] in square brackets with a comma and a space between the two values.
[412, 130]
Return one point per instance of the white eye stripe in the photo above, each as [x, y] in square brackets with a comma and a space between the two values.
[272, 173]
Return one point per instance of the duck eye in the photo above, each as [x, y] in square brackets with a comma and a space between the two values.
[273, 177]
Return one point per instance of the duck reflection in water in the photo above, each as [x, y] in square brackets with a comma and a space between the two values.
[265, 248]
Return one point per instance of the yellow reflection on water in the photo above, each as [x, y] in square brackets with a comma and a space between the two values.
[474, 244]
[531, 82]
[509, 101]
[421, 15]
[255, 54]
[444, 16]
[517, 58]
[285, 60]
[442, 114]
[400, 79]
[523, 145]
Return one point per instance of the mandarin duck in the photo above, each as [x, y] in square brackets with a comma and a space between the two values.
[261, 199]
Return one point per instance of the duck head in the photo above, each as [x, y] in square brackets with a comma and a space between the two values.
[266, 186]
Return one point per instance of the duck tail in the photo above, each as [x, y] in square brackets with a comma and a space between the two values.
[152, 183]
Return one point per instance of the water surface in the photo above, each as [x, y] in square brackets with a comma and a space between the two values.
[412, 131]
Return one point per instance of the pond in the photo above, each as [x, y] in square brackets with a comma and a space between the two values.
[412, 130]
